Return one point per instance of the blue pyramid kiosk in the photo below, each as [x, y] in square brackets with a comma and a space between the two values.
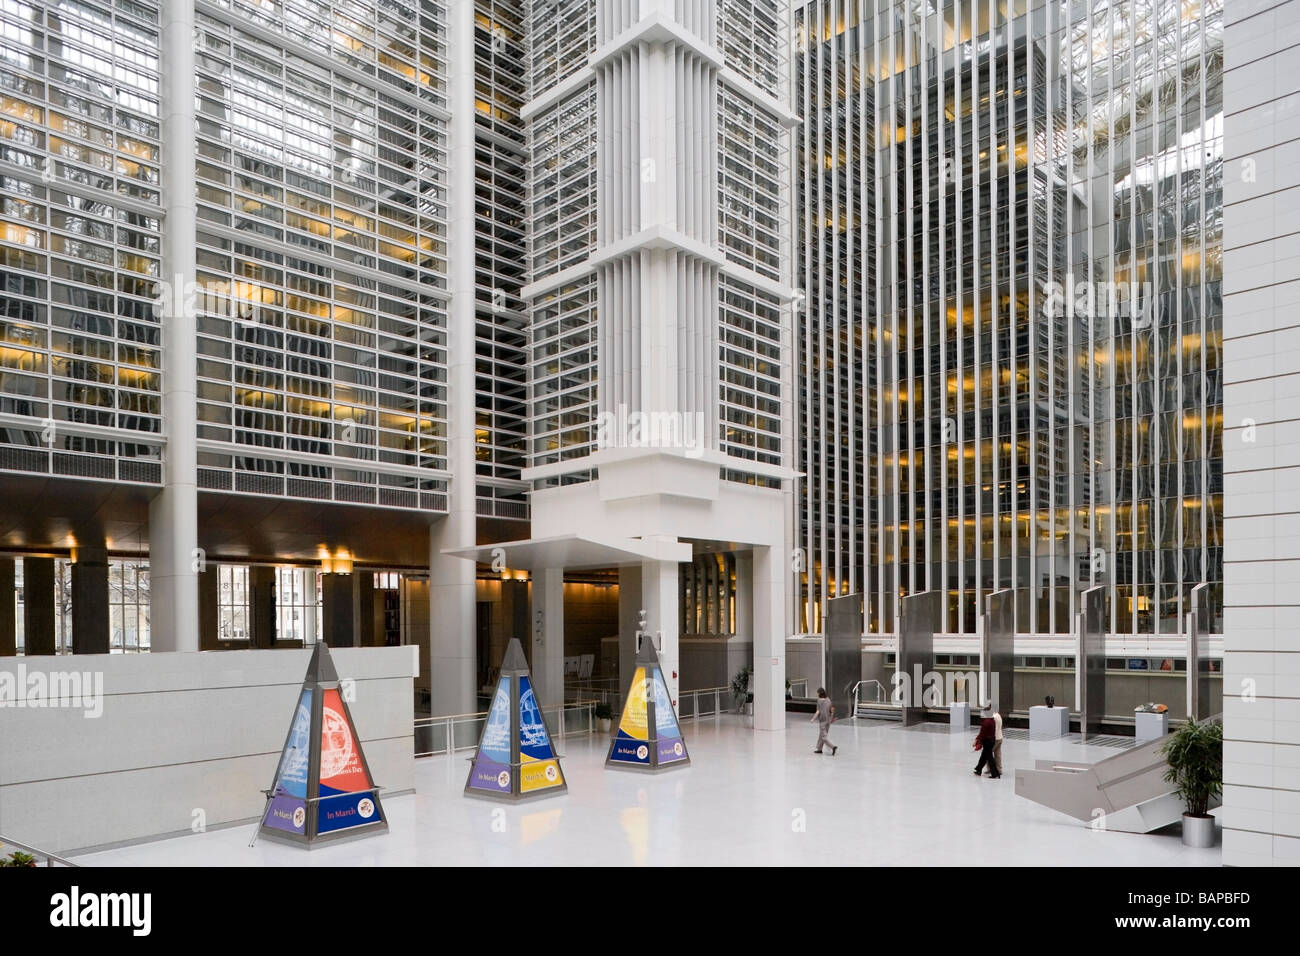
[322, 791]
[648, 738]
[515, 759]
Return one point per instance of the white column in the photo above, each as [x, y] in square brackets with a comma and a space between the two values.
[308, 599]
[174, 561]
[768, 682]
[1261, 472]
[660, 586]
[629, 609]
[548, 635]
[451, 580]
[728, 566]
[745, 595]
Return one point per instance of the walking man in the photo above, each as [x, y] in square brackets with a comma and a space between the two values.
[825, 714]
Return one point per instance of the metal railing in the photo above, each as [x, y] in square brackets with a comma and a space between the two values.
[703, 702]
[440, 735]
[860, 690]
[799, 682]
[7, 846]
[603, 690]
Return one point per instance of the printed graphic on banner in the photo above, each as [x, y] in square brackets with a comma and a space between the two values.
[669, 743]
[630, 751]
[633, 723]
[496, 736]
[288, 807]
[341, 770]
[491, 770]
[534, 741]
[539, 774]
[346, 810]
[631, 744]
[346, 797]
[665, 718]
[538, 768]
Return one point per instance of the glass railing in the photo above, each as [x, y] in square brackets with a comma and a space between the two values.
[440, 735]
[13, 853]
[704, 702]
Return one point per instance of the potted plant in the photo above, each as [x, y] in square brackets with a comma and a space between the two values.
[604, 714]
[740, 690]
[18, 858]
[1195, 755]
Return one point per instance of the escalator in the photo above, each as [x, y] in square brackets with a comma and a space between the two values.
[1125, 792]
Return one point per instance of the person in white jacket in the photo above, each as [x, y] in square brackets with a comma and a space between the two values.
[997, 739]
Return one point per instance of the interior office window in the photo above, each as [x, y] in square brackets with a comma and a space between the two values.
[128, 606]
[297, 605]
[388, 587]
[19, 635]
[62, 606]
[232, 602]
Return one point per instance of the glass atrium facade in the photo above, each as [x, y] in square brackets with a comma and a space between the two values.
[750, 401]
[1009, 237]
[320, 184]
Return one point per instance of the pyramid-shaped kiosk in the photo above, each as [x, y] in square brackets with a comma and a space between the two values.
[515, 759]
[648, 738]
[323, 791]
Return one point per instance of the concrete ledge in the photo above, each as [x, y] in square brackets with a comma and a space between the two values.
[182, 739]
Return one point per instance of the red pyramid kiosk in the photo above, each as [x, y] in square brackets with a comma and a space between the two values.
[515, 759]
[323, 791]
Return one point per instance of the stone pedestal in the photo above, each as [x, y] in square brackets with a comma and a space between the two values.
[1048, 723]
[1150, 726]
[959, 716]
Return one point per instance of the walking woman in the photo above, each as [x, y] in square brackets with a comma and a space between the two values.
[985, 743]
[825, 714]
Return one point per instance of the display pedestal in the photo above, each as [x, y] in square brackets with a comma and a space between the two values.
[1048, 723]
[959, 716]
[1150, 726]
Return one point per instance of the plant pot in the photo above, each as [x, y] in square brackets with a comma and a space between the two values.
[1198, 831]
[603, 724]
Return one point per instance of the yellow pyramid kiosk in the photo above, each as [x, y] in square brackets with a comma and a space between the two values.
[648, 738]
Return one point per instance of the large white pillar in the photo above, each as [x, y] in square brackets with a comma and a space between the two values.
[768, 682]
[1261, 470]
[660, 594]
[629, 610]
[451, 580]
[548, 635]
[745, 595]
[174, 559]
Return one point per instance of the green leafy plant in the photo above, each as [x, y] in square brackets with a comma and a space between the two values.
[740, 684]
[18, 858]
[1195, 755]
[604, 711]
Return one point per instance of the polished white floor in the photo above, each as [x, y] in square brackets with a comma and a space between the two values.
[890, 796]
